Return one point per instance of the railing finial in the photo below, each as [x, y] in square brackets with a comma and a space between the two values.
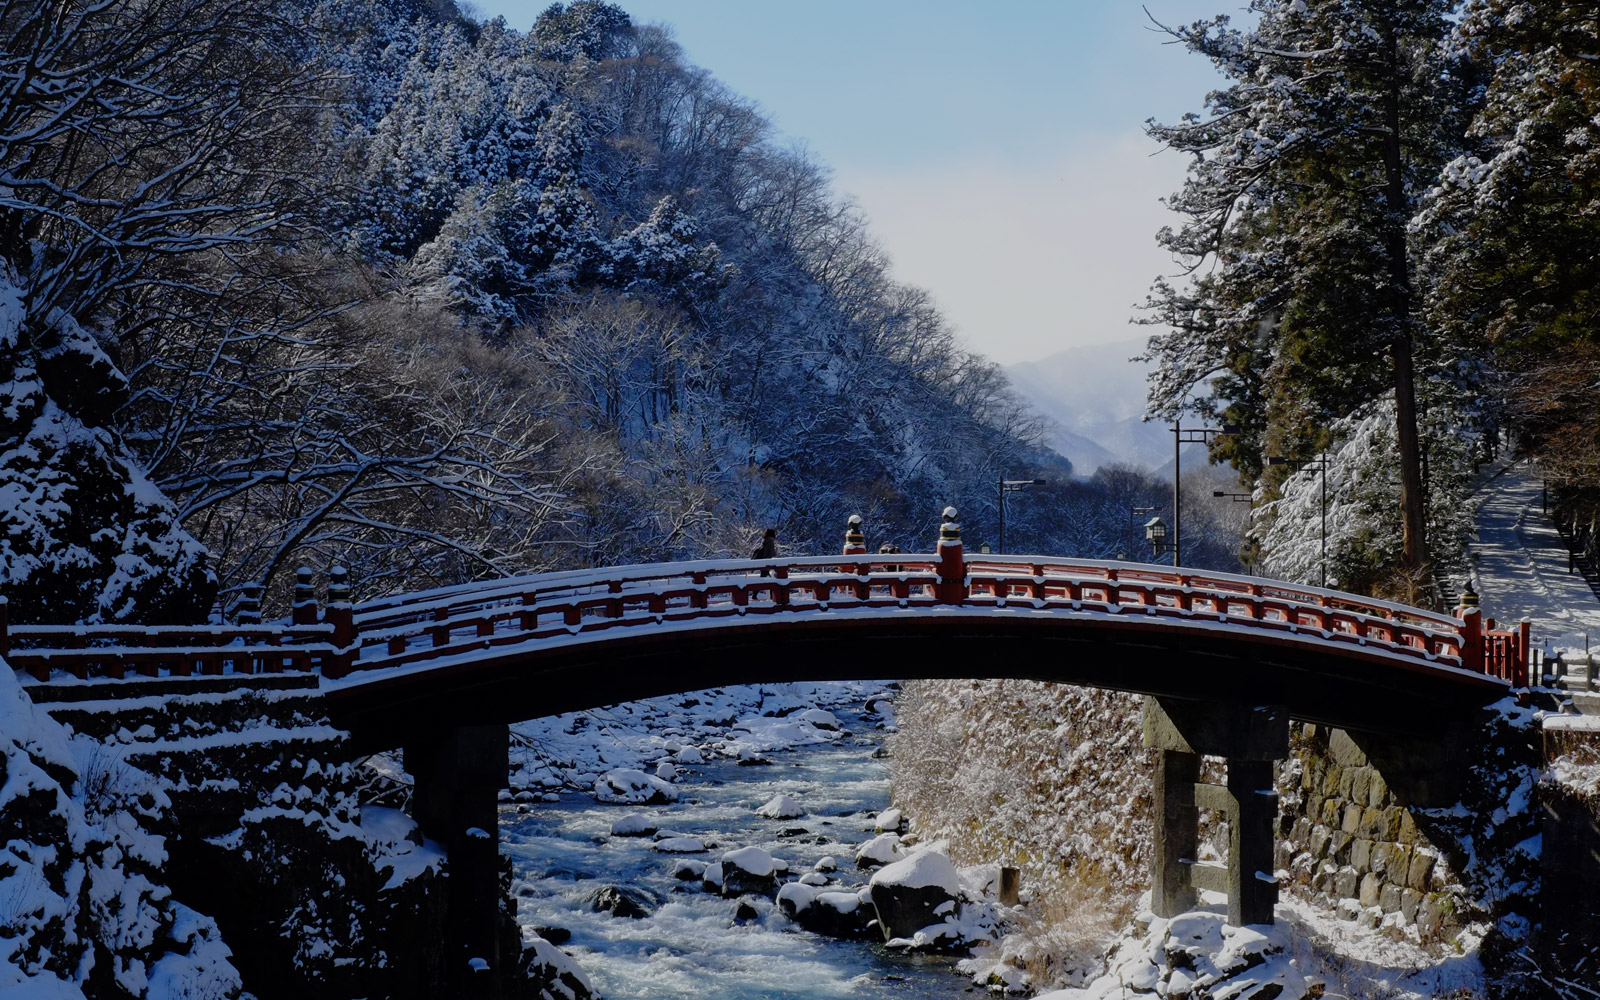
[247, 609]
[304, 608]
[855, 542]
[952, 585]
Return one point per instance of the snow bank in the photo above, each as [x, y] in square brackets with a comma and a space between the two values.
[78, 872]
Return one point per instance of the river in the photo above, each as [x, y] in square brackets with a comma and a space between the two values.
[691, 945]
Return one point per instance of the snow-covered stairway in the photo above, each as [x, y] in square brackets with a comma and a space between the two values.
[1520, 571]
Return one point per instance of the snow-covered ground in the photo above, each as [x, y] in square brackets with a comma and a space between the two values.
[1520, 564]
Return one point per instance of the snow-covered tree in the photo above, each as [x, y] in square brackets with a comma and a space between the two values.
[1306, 172]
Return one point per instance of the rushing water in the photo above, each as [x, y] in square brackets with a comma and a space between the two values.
[692, 945]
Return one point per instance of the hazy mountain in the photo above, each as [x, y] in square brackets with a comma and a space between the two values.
[1095, 396]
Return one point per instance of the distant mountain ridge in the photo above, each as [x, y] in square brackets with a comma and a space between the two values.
[1094, 397]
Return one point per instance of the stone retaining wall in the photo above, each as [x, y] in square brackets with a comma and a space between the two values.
[1347, 842]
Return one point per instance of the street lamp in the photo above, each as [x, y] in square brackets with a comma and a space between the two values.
[1011, 486]
[1320, 463]
[1235, 497]
[1155, 532]
[1181, 436]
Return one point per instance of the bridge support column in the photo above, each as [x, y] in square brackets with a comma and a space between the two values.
[457, 778]
[1250, 739]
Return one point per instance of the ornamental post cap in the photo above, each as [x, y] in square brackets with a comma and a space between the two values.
[950, 514]
[1469, 597]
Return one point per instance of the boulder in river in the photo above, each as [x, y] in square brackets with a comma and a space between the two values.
[781, 807]
[680, 845]
[548, 971]
[842, 913]
[890, 821]
[621, 901]
[880, 850]
[630, 787]
[634, 825]
[914, 892]
[748, 871]
[819, 717]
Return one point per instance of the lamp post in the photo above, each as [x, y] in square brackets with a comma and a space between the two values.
[1235, 497]
[1320, 463]
[1010, 486]
[1181, 436]
[1155, 532]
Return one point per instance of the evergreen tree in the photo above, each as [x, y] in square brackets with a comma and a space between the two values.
[1305, 176]
[1513, 223]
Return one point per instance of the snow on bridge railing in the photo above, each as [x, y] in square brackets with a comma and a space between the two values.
[492, 615]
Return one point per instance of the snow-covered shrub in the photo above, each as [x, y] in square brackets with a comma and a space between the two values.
[1050, 778]
[82, 906]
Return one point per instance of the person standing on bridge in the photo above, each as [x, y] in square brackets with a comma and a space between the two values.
[768, 549]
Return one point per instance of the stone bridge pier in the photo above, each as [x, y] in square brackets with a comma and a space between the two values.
[1252, 740]
[457, 774]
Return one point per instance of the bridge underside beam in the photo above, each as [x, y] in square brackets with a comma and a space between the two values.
[1250, 739]
[1335, 686]
[457, 775]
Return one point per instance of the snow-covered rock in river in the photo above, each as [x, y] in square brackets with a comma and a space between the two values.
[781, 807]
[826, 863]
[621, 901]
[687, 870]
[914, 892]
[551, 972]
[666, 772]
[680, 845]
[890, 820]
[880, 850]
[711, 878]
[633, 825]
[819, 717]
[689, 755]
[630, 787]
[837, 914]
[749, 870]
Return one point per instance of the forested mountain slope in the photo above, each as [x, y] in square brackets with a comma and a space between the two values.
[374, 283]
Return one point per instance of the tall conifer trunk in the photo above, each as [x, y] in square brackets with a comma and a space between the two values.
[1413, 513]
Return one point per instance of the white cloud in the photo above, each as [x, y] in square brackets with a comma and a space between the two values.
[1028, 259]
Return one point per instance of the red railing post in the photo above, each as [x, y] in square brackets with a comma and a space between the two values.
[952, 585]
[341, 614]
[1471, 639]
[780, 590]
[1524, 652]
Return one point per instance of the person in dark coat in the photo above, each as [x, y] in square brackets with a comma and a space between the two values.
[768, 549]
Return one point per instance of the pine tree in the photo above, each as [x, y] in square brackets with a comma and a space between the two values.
[1304, 181]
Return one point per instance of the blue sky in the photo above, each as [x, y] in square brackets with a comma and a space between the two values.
[996, 147]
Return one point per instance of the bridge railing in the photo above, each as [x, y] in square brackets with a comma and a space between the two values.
[472, 618]
[116, 651]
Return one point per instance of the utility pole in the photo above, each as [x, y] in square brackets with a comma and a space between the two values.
[1004, 486]
[1180, 437]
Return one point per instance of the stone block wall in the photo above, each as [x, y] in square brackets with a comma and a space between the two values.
[1346, 842]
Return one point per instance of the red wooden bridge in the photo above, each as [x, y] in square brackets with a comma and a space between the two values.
[1225, 660]
[522, 647]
